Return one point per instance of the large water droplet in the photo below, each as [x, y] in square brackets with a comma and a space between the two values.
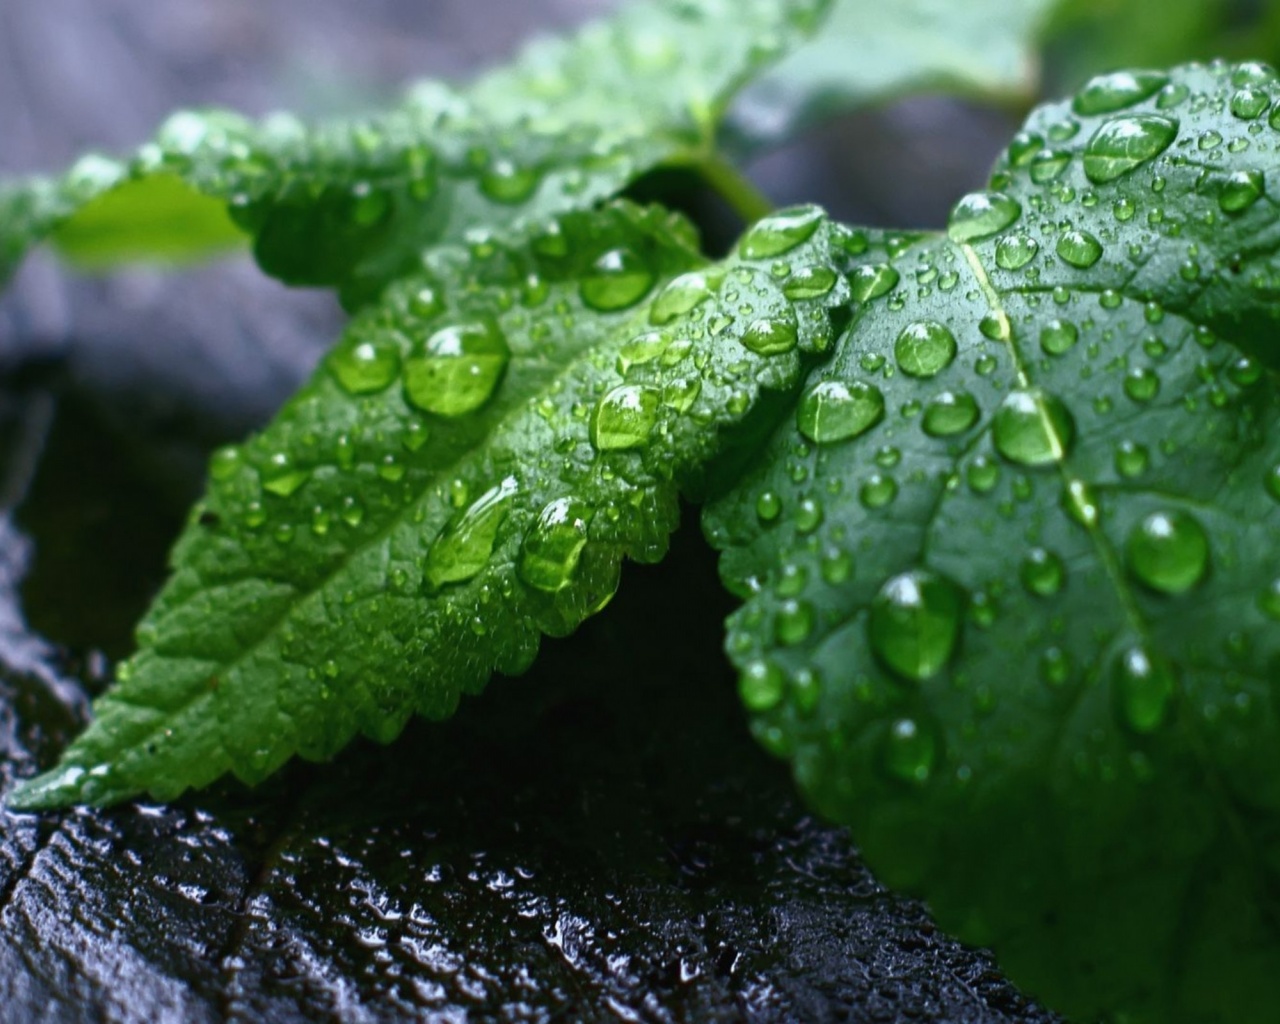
[366, 366]
[950, 413]
[793, 623]
[914, 624]
[1079, 248]
[832, 410]
[457, 368]
[1168, 551]
[924, 348]
[980, 215]
[618, 280]
[772, 335]
[909, 751]
[553, 545]
[683, 294]
[1241, 190]
[505, 181]
[1105, 94]
[809, 283]
[1144, 688]
[781, 232]
[872, 280]
[1013, 252]
[1033, 428]
[466, 544]
[281, 477]
[1058, 337]
[624, 417]
[761, 685]
[1125, 144]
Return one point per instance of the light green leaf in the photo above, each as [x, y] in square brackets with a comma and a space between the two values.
[351, 203]
[1010, 573]
[465, 472]
[869, 52]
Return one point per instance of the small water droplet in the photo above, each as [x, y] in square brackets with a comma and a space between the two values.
[872, 281]
[1144, 688]
[1079, 248]
[761, 685]
[1013, 252]
[618, 280]
[224, 463]
[1124, 144]
[909, 752]
[1033, 428]
[1105, 94]
[1055, 667]
[809, 283]
[793, 622]
[772, 335]
[924, 348]
[553, 545]
[1142, 384]
[950, 413]
[1269, 600]
[680, 296]
[505, 181]
[456, 370]
[980, 215]
[768, 506]
[1042, 572]
[466, 544]
[1131, 459]
[1168, 551]
[832, 410]
[1241, 190]
[365, 366]
[878, 490]
[281, 477]
[624, 417]
[1049, 165]
[914, 624]
[1058, 337]
[781, 232]
[1248, 103]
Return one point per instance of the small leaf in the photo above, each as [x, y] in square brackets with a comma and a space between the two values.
[465, 472]
[1011, 573]
[351, 203]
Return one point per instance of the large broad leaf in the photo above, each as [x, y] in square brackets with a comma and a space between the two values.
[869, 52]
[351, 203]
[1011, 575]
[465, 472]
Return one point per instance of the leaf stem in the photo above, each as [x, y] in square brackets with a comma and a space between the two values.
[734, 187]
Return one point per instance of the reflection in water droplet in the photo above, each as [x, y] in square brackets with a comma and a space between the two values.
[772, 335]
[624, 417]
[832, 410]
[781, 232]
[1058, 337]
[618, 280]
[281, 477]
[683, 294]
[980, 215]
[1033, 428]
[1124, 144]
[1013, 252]
[950, 413]
[924, 348]
[553, 545]
[465, 546]
[1241, 190]
[457, 368]
[1079, 248]
[872, 280]
[505, 181]
[366, 366]
[1168, 551]
[809, 283]
[914, 624]
[1105, 94]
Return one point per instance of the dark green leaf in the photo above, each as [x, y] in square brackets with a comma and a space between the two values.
[1011, 574]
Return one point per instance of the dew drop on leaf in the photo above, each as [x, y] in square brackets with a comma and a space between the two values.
[980, 215]
[768, 506]
[1042, 572]
[1055, 667]
[761, 685]
[457, 368]
[1141, 384]
[1269, 600]
[367, 366]
[924, 348]
[224, 463]
[685, 293]
[772, 335]
[1049, 165]
[878, 490]
[1079, 248]
[1033, 428]
[551, 549]
[1144, 688]
[1013, 252]
[1124, 144]
[465, 546]
[281, 477]
[1248, 103]
[1131, 459]
[1105, 94]
[908, 752]
[1058, 337]
[624, 417]
[1240, 191]
[505, 181]
[794, 622]
[1273, 482]
[950, 413]
[872, 280]
[781, 232]
[914, 625]
[618, 280]
[1168, 551]
[832, 410]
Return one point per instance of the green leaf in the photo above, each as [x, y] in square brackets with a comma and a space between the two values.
[1011, 581]
[466, 472]
[870, 52]
[351, 203]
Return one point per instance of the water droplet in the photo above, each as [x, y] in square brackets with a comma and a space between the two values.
[793, 622]
[1248, 104]
[878, 490]
[950, 413]
[1049, 165]
[1105, 94]
[505, 181]
[1144, 688]
[1142, 384]
[1168, 551]
[466, 544]
[982, 474]
[761, 685]
[281, 477]
[1273, 482]
[618, 280]
[366, 366]
[909, 752]
[457, 369]
[644, 348]
[686, 292]
[553, 545]
[924, 348]
[832, 410]
[224, 463]
[781, 232]
[808, 515]
[872, 280]
[1014, 252]
[810, 283]
[1132, 459]
[1269, 600]
[1126, 143]
[768, 506]
[772, 335]
[980, 215]
[1042, 572]
[1079, 248]
[1240, 191]
[1058, 337]
[1033, 428]
[837, 567]
[680, 394]
[1055, 667]
[914, 624]
[624, 417]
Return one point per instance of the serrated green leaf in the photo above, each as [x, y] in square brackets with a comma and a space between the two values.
[1011, 581]
[870, 52]
[466, 472]
[351, 203]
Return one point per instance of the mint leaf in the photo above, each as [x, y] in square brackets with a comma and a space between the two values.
[1010, 575]
[869, 52]
[466, 472]
[351, 203]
